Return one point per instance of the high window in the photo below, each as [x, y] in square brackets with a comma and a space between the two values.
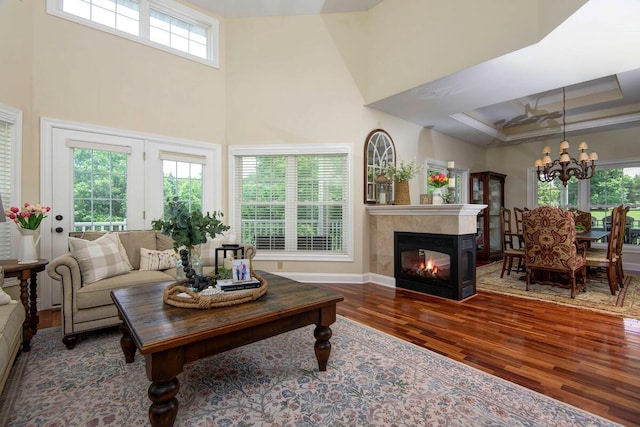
[164, 24]
[293, 202]
[613, 184]
[10, 149]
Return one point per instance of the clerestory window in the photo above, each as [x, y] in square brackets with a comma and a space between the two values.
[163, 24]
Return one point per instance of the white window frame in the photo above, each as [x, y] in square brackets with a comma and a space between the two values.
[440, 166]
[10, 188]
[177, 10]
[300, 150]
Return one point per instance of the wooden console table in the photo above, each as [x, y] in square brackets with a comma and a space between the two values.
[27, 274]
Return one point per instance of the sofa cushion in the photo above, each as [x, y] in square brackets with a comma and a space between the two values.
[157, 260]
[133, 241]
[11, 320]
[99, 293]
[98, 259]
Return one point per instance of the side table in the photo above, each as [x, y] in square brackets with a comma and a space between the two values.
[224, 249]
[27, 274]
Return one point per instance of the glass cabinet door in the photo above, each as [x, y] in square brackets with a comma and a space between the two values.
[487, 188]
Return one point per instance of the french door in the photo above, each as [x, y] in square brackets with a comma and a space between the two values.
[102, 179]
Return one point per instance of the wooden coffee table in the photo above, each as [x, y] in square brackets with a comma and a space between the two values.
[169, 336]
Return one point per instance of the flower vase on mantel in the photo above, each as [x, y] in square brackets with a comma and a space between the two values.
[437, 196]
[28, 242]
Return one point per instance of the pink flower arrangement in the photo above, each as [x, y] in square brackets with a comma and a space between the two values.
[29, 217]
[438, 180]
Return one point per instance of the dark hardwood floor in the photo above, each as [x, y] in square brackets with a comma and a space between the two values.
[580, 357]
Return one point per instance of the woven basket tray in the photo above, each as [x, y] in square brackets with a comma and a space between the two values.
[222, 299]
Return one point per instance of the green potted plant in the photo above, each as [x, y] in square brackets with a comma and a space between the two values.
[401, 175]
[188, 229]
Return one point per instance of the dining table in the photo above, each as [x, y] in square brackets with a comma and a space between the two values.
[592, 235]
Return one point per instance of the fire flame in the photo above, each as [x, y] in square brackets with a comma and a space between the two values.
[431, 267]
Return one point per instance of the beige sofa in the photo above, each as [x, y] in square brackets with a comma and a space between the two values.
[12, 317]
[88, 306]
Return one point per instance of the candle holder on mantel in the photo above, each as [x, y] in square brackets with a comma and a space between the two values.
[451, 183]
[383, 189]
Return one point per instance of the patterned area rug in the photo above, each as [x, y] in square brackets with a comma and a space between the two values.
[373, 379]
[598, 297]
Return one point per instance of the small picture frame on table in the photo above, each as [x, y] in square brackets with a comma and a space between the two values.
[241, 270]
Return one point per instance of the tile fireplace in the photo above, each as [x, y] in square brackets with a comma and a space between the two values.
[443, 234]
[443, 265]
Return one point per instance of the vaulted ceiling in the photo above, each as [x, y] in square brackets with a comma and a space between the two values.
[594, 55]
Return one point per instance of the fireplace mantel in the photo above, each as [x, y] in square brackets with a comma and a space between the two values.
[440, 210]
[384, 220]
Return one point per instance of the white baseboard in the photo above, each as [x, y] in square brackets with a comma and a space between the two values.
[339, 278]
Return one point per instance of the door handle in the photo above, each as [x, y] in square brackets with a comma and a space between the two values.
[59, 229]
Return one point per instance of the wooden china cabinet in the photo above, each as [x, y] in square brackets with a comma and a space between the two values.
[487, 188]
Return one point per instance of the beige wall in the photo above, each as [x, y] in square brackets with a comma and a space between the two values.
[16, 89]
[59, 69]
[414, 42]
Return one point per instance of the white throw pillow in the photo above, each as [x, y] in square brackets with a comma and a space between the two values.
[157, 260]
[4, 297]
[99, 259]
[76, 243]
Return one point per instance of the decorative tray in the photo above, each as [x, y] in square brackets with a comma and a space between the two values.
[179, 295]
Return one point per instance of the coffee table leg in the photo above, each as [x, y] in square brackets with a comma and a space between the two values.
[162, 370]
[164, 409]
[127, 344]
[322, 346]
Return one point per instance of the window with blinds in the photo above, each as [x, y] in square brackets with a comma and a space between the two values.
[293, 202]
[10, 125]
[164, 24]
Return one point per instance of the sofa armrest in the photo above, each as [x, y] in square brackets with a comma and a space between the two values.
[66, 270]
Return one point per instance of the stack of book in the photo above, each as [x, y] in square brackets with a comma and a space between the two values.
[229, 285]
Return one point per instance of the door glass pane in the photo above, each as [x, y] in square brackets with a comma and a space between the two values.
[99, 190]
[184, 180]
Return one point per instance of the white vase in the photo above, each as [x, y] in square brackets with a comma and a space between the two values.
[28, 242]
[437, 196]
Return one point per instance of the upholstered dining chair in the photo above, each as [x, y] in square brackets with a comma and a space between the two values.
[510, 251]
[607, 258]
[611, 257]
[583, 218]
[552, 256]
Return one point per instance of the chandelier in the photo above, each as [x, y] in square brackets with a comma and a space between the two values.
[566, 166]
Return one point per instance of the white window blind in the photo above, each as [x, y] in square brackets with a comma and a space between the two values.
[296, 202]
[10, 124]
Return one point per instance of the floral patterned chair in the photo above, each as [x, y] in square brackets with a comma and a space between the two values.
[552, 255]
[583, 218]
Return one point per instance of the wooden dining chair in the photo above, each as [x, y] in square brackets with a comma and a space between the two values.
[552, 256]
[609, 259]
[510, 251]
[602, 252]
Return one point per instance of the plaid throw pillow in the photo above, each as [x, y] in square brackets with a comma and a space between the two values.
[98, 259]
